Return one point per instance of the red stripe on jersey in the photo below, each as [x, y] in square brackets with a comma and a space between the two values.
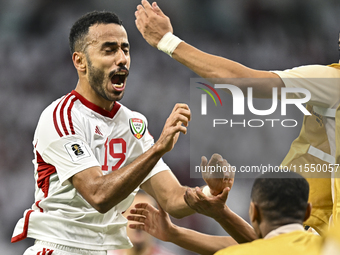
[96, 108]
[62, 120]
[70, 116]
[37, 204]
[23, 235]
[55, 120]
[44, 172]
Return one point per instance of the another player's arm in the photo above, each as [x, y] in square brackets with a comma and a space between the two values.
[158, 224]
[216, 208]
[235, 226]
[198, 242]
[169, 193]
[105, 191]
[222, 70]
[154, 24]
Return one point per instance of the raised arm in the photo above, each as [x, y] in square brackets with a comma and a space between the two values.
[158, 224]
[105, 191]
[153, 24]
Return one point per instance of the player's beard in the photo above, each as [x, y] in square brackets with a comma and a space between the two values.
[98, 82]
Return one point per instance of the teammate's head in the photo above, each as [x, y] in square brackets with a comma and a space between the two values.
[279, 199]
[80, 29]
[100, 53]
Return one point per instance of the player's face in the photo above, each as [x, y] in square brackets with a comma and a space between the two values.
[108, 60]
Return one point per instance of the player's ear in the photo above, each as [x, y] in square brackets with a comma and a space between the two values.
[253, 212]
[308, 211]
[79, 61]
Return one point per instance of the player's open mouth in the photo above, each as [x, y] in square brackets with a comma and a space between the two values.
[118, 80]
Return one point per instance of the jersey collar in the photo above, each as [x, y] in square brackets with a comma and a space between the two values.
[96, 108]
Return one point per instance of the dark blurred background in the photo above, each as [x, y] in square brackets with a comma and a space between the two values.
[36, 68]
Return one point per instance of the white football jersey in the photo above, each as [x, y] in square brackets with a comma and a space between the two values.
[72, 135]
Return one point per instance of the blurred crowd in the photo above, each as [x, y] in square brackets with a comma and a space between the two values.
[36, 68]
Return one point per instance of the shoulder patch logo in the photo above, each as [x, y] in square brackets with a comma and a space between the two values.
[137, 127]
[77, 150]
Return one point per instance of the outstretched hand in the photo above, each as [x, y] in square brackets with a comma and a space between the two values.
[177, 122]
[155, 222]
[151, 22]
[217, 173]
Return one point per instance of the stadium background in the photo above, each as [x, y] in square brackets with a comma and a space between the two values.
[36, 68]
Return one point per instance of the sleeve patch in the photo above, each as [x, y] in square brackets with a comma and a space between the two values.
[77, 150]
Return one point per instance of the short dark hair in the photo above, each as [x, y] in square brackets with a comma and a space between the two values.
[282, 197]
[81, 27]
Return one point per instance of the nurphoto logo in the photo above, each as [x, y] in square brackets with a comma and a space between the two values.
[238, 107]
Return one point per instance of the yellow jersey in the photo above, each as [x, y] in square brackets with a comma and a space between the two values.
[292, 243]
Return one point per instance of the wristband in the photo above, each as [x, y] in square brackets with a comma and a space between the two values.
[168, 43]
[206, 191]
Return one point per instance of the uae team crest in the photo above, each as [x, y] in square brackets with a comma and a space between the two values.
[137, 127]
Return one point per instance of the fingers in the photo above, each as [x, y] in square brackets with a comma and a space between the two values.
[139, 214]
[189, 197]
[180, 113]
[137, 218]
[215, 159]
[141, 13]
[230, 174]
[143, 209]
[137, 226]
[140, 210]
[200, 194]
[179, 119]
[141, 205]
[157, 10]
[184, 107]
[192, 196]
[224, 195]
[204, 161]
[178, 128]
[138, 20]
[148, 8]
[141, 17]
[177, 122]
[180, 105]
[143, 212]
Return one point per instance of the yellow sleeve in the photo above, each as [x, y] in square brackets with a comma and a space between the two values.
[321, 81]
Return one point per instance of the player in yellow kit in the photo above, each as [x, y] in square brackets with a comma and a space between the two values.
[317, 146]
[278, 207]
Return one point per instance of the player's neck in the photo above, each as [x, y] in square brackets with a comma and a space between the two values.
[93, 97]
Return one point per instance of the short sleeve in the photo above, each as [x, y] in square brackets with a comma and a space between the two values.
[69, 155]
[321, 81]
